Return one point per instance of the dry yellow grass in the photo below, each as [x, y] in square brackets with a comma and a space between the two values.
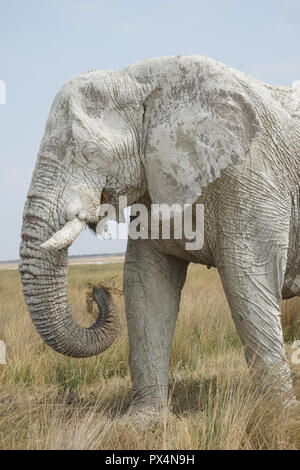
[48, 401]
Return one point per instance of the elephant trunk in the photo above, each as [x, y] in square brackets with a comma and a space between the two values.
[44, 281]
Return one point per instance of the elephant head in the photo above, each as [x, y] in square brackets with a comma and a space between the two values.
[165, 126]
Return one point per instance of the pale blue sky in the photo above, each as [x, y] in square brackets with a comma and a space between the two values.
[45, 42]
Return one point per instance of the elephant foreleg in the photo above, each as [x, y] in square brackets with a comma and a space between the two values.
[152, 289]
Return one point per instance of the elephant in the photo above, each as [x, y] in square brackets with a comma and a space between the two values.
[183, 130]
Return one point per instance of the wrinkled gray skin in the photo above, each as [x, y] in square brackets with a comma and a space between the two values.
[169, 130]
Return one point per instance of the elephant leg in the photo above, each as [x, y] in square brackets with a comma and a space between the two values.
[152, 290]
[252, 274]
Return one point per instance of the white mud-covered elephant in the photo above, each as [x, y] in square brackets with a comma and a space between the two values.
[185, 130]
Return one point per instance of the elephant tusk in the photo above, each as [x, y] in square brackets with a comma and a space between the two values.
[65, 236]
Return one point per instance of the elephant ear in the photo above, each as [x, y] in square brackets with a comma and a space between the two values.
[195, 129]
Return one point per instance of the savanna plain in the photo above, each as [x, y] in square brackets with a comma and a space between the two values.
[48, 401]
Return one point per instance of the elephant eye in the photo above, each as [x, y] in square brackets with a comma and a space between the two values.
[90, 151]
